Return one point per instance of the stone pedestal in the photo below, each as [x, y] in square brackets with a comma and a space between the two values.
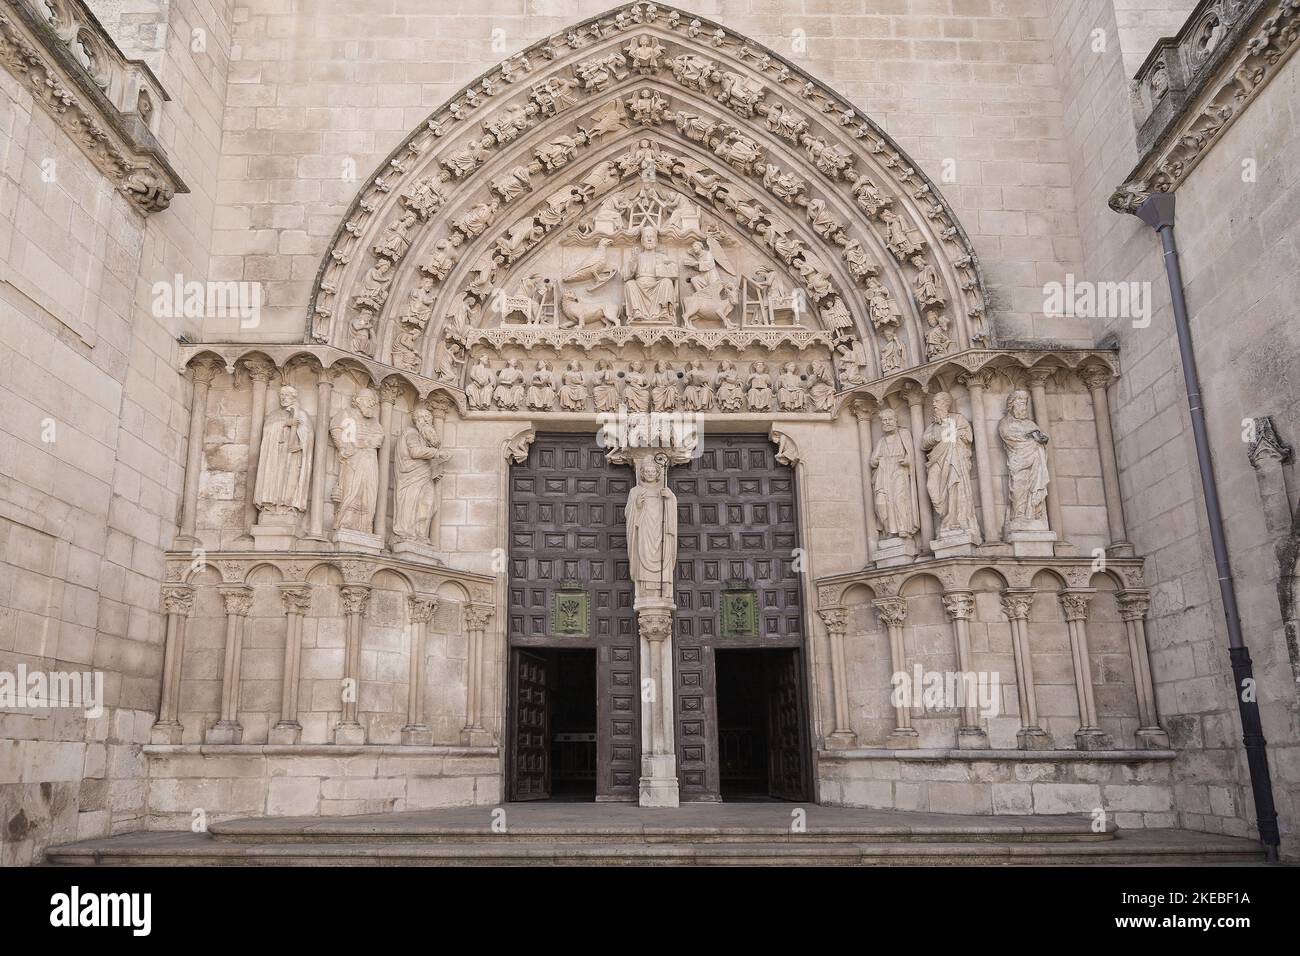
[415, 550]
[1092, 738]
[903, 739]
[953, 544]
[1152, 739]
[285, 733]
[972, 738]
[349, 733]
[358, 540]
[893, 551]
[476, 737]
[274, 532]
[1033, 738]
[841, 740]
[417, 736]
[166, 732]
[1032, 544]
[225, 732]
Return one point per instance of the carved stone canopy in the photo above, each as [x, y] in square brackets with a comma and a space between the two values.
[646, 182]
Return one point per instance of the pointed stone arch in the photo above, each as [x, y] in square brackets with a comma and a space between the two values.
[521, 160]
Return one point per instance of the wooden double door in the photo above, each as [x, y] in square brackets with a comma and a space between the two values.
[739, 615]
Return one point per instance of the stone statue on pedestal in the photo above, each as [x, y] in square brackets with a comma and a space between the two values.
[1026, 447]
[891, 462]
[357, 436]
[419, 472]
[651, 516]
[947, 447]
[284, 466]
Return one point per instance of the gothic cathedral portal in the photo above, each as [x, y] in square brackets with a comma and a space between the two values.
[738, 681]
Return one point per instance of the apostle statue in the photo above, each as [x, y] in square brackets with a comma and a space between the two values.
[284, 466]
[651, 294]
[1026, 447]
[947, 447]
[891, 463]
[357, 435]
[419, 472]
[651, 517]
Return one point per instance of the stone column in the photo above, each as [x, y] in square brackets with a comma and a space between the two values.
[388, 393]
[1038, 392]
[477, 617]
[259, 375]
[320, 457]
[960, 605]
[203, 373]
[915, 396]
[439, 405]
[842, 737]
[1089, 736]
[355, 597]
[976, 383]
[658, 787]
[1016, 605]
[1133, 606]
[296, 599]
[1097, 378]
[419, 610]
[893, 614]
[178, 603]
[863, 408]
[228, 730]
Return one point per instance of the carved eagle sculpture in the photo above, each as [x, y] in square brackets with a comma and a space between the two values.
[598, 269]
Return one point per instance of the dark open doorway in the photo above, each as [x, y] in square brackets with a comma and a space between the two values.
[760, 724]
[554, 739]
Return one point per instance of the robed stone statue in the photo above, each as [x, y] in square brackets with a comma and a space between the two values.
[651, 516]
[284, 465]
[419, 473]
[1026, 447]
[947, 447]
[357, 435]
[891, 464]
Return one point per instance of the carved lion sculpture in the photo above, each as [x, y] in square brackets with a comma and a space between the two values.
[584, 313]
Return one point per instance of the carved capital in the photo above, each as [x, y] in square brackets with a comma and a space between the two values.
[655, 624]
[1075, 604]
[892, 611]
[420, 609]
[960, 605]
[863, 408]
[238, 600]
[178, 600]
[355, 598]
[296, 598]
[389, 392]
[477, 616]
[913, 394]
[978, 380]
[203, 372]
[836, 619]
[259, 370]
[1096, 376]
[1133, 605]
[1016, 605]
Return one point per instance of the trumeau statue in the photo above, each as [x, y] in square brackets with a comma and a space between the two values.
[651, 517]
[891, 463]
[284, 465]
[1026, 447]
[357, 436]
[947, 446]
[419, 462]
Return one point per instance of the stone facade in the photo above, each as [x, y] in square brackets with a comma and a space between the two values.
[857, 207]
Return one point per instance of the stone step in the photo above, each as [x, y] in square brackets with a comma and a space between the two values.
[695, 824]
[1138, 847]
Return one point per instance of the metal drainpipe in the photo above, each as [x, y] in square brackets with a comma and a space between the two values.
[1157, 211]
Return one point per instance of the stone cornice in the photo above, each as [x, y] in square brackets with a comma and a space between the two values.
[108, 105]
[1193, 86]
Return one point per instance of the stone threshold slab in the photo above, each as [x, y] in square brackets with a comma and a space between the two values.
[977, 756]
